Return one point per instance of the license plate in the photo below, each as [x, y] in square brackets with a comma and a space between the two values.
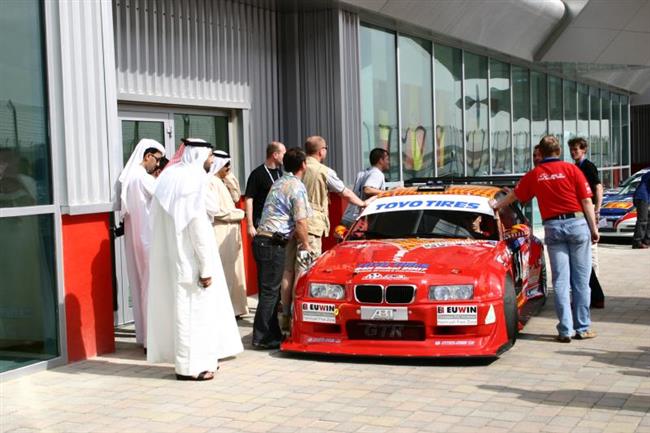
[384, 313]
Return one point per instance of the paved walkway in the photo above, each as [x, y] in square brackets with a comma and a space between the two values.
[539, 385]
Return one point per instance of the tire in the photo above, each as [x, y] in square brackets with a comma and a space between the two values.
[510, 312]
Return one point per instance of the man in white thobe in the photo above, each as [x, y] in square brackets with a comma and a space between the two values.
[191, 320]
[137, 186]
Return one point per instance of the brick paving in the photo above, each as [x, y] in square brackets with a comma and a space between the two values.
[600, 385]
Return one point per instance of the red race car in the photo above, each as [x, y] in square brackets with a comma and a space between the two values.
[424, 272]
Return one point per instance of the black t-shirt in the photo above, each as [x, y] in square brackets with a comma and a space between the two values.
[591, 173]
[258, 187]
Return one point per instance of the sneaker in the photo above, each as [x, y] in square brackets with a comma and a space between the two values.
[563, 339]
[585, 335]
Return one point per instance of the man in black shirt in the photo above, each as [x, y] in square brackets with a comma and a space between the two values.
[578, 147]
[259, 183]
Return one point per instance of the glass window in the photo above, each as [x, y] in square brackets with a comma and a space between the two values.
[521, 119]
[213, 129]
[583, 111]
[476, 114]
[539, 105]
[135, 130]
[28, 301]
[606, 176]
[594, 126]
[616, 131]
[449, 110]
[416, 107]
[379, 96]
[625, 131]
[500, 117]
[570, 116]
[24, 146]
[555, 109]
[605, 126]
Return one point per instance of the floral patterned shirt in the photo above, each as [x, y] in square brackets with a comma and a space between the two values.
[286, 203]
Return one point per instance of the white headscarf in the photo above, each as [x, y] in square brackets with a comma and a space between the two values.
[181, 188]
[131, 165]
[221, 158]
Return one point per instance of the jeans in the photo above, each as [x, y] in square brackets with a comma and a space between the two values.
[569, 249]
[641, 232]
[270, 264]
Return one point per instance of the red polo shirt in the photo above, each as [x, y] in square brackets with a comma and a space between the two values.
[558, 186]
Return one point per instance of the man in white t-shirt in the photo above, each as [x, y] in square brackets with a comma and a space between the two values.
[369, 182]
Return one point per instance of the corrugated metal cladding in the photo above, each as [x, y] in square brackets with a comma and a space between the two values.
[207, 53]
[88, 105]
[640, 134]
[320, 78]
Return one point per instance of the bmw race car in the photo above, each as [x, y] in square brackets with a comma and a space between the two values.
[423, 272]
[617, 213]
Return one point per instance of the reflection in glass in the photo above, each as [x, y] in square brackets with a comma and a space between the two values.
[594, 126]
[24, 145]
[213, 129]
[606, 177]
[449, 110]
[28, 301]
[605, 125]
[583, 112]
[500, 117]
[476, 115]
[570, 116]
[521, 119]
[625, 131]
[555, 109]
[616, 130]
[379, 96]
[416, 107]
[135, 130]
[540, 106]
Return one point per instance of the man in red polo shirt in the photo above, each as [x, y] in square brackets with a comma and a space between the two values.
[564, 199]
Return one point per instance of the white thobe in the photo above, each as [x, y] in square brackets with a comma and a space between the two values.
[191, 326]
[137, 235]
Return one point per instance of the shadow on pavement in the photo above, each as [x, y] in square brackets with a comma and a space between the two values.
[632, 359]
[578, 398]
[386, 360]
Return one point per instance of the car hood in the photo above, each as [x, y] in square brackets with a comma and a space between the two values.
[425, 260]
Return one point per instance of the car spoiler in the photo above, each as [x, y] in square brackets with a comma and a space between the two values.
[441, 182]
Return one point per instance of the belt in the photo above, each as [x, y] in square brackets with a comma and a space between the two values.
[276, 238]
[565, 216]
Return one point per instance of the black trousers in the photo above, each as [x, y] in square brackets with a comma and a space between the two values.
[641, 232]
[597, 295]
[270, 266]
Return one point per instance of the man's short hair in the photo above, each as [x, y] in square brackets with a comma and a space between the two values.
[293, 159]
[549, 146]
[150, 150]
[580, 142]
[273, 147]
[377, 154]
[313, 144]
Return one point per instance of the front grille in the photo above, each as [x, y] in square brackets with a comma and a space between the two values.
[400, 294]
[368, 293]
[385, 330]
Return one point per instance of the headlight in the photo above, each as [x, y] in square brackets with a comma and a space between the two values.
[446, 293]
[326, 291]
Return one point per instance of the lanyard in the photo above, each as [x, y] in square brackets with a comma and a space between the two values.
[270, 175]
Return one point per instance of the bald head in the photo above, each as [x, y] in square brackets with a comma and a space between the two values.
[316, 147]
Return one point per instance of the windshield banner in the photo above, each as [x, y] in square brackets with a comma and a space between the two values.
[442, 202]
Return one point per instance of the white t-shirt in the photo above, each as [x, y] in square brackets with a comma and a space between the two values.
[372, 177]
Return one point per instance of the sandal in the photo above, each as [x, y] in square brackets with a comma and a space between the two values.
[204, 375]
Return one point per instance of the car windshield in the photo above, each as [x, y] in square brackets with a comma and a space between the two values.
[424, 224]
[630, 187]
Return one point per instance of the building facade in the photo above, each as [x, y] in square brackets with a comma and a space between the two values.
[443, 87]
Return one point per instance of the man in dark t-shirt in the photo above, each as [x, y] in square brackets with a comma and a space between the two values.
[578, 147]
[259, 183]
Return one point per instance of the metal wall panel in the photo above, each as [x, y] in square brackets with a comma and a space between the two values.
[88, 104]
[204, 53]
[640, 134]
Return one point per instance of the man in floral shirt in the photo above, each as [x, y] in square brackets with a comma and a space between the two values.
[285, 214]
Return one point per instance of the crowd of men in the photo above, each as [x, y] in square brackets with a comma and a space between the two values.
[184, 245]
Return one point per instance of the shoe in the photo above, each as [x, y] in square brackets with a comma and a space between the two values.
[598, 304]
[585, 335]
[640, 246]
[563, 339]
[204, 375]
[266, 346]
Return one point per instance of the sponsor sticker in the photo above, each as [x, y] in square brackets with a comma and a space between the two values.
[454, 343]
[378, 276]
[457, 315]
[322, 340]
[448, 202]
[383, 313]
[319, 313]
[378, 267]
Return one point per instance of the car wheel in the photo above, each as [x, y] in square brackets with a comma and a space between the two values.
[510, 311]
[543, 280]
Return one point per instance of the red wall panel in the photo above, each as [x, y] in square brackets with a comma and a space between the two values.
[87, 267]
